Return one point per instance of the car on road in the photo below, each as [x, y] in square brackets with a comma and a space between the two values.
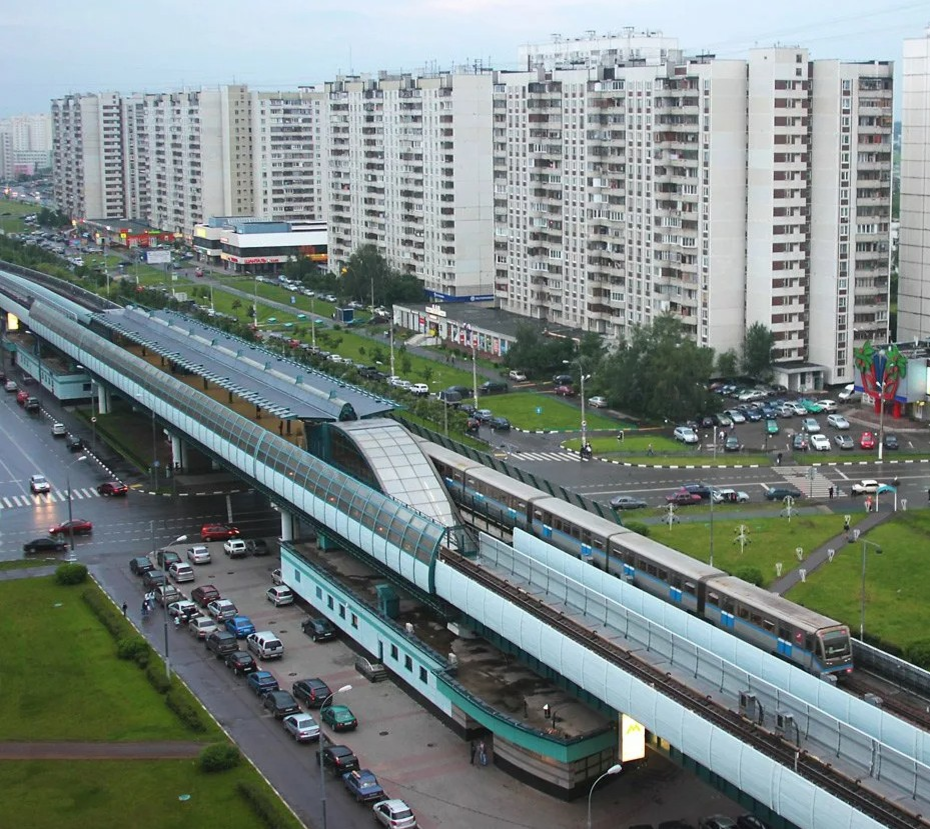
[181, 572]
[318, 628]
[421, 389]
[837, 421]
[261, 683]
[517, 376]
[499, 424]
[810, 425]
[597, 402]
[277, 577]
[184, 610]
[235, 548]
[221, 643]
[199, 554]
[771, 427]
[685, 434]
[363, 786]
[39, 483]
[703, 490]
[240, 626]
[732, 444]
[729, 496]
[241, 662]
[140, 565]
[311, 692]
[492, 387]
[204, 594]
[257, 547]
[280, 703]
[338, 759]
[844, 441]
[867, 486]
[820, 443]
[112, 488]
[483, 415]
[627, 502]
[279, 595]
[683, 498]
[394, 814]
[221, 610]
[218, 532]
[10, 385]
[22, 396]
[564, 391]
[867, 441]
[827, 405]
[77, 526]
[153, 578]
[891, 442]
[302, 727]
[45, 545]
[779, 493]
[202, 626]
[59, 430]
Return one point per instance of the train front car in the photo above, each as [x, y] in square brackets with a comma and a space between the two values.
[834, 651]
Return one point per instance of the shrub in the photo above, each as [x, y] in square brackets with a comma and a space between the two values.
[219, 757]
[751, 574]
[109, 614]
[178, 702]
[134, 649]
[71, 573]
[156, 675]
[918, 653]
[638, 527]
[267, 810]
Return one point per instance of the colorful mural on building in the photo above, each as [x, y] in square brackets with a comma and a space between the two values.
[882, 371]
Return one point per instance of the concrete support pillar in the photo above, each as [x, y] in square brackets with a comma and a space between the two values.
[104, 402]
[178, 453]
[287, 525]
[326, 543]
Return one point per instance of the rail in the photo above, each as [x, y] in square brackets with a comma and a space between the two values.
[811, 768]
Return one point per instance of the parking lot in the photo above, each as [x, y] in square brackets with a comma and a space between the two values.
[414, 756]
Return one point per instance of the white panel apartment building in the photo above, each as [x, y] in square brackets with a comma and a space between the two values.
[914, 247]
[25, 141]
[87, 156]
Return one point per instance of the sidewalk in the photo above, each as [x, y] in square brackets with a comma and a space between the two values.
[821, 555]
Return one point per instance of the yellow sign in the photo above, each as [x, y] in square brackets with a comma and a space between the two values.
[632, 739]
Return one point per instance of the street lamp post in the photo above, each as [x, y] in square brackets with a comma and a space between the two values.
[878, 549]
[322, 746]
[179, 540]
[584, 422]
[313, 321]
[614, 769]
[70, 515]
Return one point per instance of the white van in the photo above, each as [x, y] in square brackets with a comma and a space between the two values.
[848, 393]
[265, 645]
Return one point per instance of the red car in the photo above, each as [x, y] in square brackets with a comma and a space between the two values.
[683, 498]
[218, 532]
[21, 397]
[112, 488]
[78, 526]
[867, 441]
[565, 391]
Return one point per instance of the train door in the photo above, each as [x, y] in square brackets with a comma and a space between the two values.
[785, 645]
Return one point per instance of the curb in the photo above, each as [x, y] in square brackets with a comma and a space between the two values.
[758, 465]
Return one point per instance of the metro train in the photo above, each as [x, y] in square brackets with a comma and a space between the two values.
[807, 639]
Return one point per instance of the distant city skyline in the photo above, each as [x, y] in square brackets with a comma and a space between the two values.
[52, 48]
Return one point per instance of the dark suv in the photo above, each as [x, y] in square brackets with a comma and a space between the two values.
[318, 629]
[140, 565]
[698, 489]
[338, 759]
[221, 644]
[280, 704]
[492, 387]
[311, 692]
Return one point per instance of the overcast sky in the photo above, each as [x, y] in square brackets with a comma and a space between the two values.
[50, 48]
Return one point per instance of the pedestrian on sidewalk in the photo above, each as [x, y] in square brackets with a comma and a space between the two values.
[482, 754]
[846, 524]
[831, 493]
[125, 608]
[474, 751]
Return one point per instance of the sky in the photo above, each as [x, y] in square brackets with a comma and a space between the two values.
[51, 48]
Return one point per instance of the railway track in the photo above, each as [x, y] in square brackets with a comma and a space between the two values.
[895, 699]
[811, 768]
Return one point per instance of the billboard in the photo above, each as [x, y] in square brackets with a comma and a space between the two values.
[158, 257]
[632, 739]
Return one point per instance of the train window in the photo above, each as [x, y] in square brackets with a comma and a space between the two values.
[651, 569]
[743, 612]
[713, 598]
[675, 582]
[663, 574]
[768, 624]
[756, 619]
[784, 633]
[690, 588]
[728, 605]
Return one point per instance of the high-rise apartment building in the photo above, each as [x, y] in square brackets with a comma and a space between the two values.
[25, 145]
[914, 241]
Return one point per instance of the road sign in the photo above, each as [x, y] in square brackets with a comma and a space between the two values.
[93, 420]
[584, 424]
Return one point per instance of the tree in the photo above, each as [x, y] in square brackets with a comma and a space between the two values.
[728, 363]
[757, 351]
[659, 373]
[537, 354]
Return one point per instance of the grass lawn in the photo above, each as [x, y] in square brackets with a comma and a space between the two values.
[28, 564]
[520, 409]
[67, 683]
[771, 540]
[49, 794]
[896, 602]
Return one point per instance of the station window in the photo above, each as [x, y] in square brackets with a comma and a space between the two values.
[354, 621]
[319, 592]
[342, 611]
[408, 663]
[424, 677]
[330, 603]
[394, 652]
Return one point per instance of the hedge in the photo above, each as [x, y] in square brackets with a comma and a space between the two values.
[219, 757]
[265, 808]
[70, 573]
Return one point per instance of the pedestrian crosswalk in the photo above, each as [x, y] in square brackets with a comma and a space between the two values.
[544, 456]
[810, 480]
[13, 501]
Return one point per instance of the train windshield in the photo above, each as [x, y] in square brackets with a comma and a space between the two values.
[835, 644]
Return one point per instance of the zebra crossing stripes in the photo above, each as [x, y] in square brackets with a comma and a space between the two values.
[545, 456]
[13, 501]
[817, 486]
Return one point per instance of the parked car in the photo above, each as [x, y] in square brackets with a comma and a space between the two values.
[59, 430]
[685, 434]
[199, 554]
[38, 484]
[395, 814]
[280, 703]
[363, 786]
[867, 441]
[820, 443]
[221, 610]
[517, 376]
[810, 425]
[218, 532]
[183, 610]
[683, 498]
[702, 490]
[318, 628]
[262, 682]
[204, 594]
[492, 387]
[844, 441]
[257, 547]
[140, 565]
[181, 572]
[277, 577]
[732, 444]
[800, 442]
[891, 442]
[240, 626]
[235, 548]
[750, 822]
[483, 415]
[167, 593]
[564, 391]
[202, 626]
[627, 502]
[450, 398]
[499, 424]
[112, 488]
[729, 496]
[717, 822]
[165, 558]
[311, 692]
[827, 405]
[837, 421]
[597, 402]
[779, 493]
[153, 578]
[45, 545]
[338, 759]
[302, 727]
[279, 595]
[867, 486]
[241, 662]
[76, 526]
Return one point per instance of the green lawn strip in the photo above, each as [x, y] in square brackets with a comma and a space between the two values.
[28, 564]
[49, 794]
[520, 408]
[771, 540]
[68, 683]
[810, 458]
[17, 208]
[897, 610]
[275, 293]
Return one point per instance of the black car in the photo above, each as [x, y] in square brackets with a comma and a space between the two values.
[450, 398]
[338, 759]
[562, 380]
[698, 489]
[750, 822]
[319, 629]
[221, 643]
[732, 444]
[779, 493]
[311, 692]
[240, 662]
[492, 387]
[280, 704]
[165, 558]
[499, 424]
[800, 442]
[140, 565]
[153, 578]
[74, 443]
[257, 547]
[44, 545]
[891, 441]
